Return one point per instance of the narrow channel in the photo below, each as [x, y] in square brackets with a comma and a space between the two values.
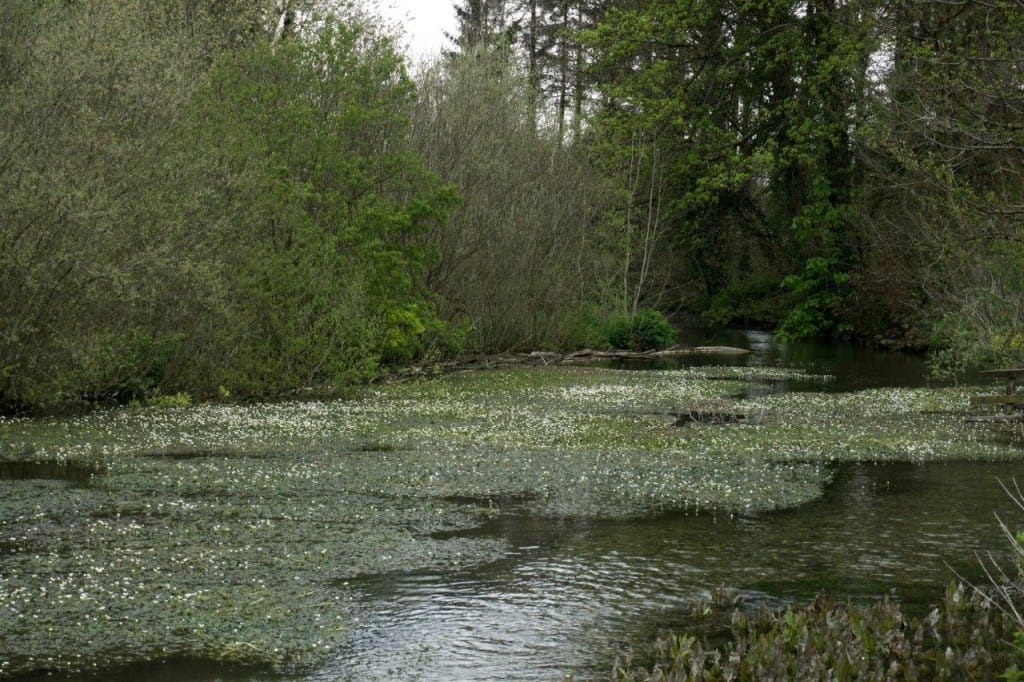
[572, 595]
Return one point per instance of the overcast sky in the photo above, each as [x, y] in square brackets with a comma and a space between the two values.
[424, 21]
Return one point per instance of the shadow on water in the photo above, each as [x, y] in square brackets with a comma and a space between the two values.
[169, 670]
[73, 472]
[573, 593]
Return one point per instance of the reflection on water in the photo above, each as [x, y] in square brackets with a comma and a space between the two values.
[574, 593]
[73, 472]
[853, 367]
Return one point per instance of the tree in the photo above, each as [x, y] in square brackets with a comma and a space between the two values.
[329, 283]
[192, 197]
[482, 23]
[943, 190]
[525, 258]
[751, 106]
[93, 290]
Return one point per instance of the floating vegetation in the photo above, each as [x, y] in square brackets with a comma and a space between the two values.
[231, 532]
[185, 454]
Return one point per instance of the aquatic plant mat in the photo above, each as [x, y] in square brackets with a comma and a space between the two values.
[233, 533]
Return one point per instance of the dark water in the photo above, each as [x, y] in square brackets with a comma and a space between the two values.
[851, 367]
[72, 472]
[575, 593]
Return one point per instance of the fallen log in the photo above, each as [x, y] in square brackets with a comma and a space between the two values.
[590, 354]
[474, 362]
[1012, 400]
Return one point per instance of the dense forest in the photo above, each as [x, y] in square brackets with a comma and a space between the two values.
[243, 198]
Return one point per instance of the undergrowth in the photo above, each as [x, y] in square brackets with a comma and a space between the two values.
[964, 638]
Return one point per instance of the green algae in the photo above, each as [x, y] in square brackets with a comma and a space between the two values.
[231, 532]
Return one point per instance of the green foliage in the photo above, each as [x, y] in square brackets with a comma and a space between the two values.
[97, 266]
[961, 639]
[819, 293]
[332, 282]
[1014, 673]
[942, 199]
[754, 144]
[975, 633]
[161, 401]
[188, 205]
[526, 255]
[985, 329]
[123, 365]
[209, 194]
[646, 330]
[414, 332]
[754, 301]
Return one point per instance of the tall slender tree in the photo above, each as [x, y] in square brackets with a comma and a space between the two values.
[482, 24]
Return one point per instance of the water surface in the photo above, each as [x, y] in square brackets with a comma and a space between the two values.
[359, 527]
[574, 594]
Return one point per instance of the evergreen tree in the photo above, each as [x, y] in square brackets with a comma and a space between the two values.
[750, 104]
[482, 24]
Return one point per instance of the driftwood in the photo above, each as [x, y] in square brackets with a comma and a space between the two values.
[1011, 374]
[1011, 402]
[718, 412]
[674, 352]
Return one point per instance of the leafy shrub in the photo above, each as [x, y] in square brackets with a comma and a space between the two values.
[985, 325]
[159, 400]
[646, 330]
[413, 332]
[975, 633]
[755, 301]
[963, 638]
[819, 293]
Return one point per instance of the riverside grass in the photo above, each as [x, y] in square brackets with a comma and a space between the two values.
[230, 532]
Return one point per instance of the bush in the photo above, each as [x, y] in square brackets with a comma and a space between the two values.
[963, 638]
[756, 301]
[975, 633]
[646, 330]
[984, 325]
[526, 253]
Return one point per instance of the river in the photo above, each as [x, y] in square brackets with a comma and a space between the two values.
[575, 594]
[566, 595]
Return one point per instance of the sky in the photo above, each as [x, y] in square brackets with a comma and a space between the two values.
[424, 22]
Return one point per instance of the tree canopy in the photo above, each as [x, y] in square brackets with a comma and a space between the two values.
[252, 198]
